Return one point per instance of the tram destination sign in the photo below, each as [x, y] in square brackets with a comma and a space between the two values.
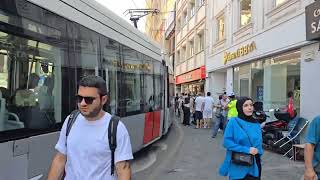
[313, 21]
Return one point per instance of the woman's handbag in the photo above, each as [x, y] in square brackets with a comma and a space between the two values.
[240, 158]
[243, 159]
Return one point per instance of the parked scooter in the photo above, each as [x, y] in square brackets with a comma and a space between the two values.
[273, 131]
[258, 112]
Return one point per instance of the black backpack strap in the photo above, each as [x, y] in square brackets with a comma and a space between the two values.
[112, 137]
[72, 118]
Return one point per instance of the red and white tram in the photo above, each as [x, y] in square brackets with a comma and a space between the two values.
[45, 49]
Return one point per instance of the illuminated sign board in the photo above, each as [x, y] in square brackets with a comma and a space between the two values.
[242, 51]
[313, 21]
[192, 76]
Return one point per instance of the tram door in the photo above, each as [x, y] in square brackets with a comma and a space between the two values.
[165, 100]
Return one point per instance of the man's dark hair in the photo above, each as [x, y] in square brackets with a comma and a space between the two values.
[208, 93]
[96, 82]
[33, 80]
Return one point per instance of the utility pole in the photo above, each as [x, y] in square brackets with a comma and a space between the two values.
[136, 14]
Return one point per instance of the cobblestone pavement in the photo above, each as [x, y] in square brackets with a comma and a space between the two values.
[193, 155]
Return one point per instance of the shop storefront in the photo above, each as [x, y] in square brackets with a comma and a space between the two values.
[310, 64]
[192, 82]
[270, 65]
[270, 80]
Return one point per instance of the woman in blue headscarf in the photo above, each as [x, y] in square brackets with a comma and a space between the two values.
[243, 135]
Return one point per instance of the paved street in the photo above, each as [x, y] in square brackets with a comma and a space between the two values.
[191, 154]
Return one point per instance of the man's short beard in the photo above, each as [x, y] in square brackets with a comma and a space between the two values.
[95, 112]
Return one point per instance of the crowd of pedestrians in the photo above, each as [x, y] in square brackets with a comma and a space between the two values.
[204, 112]
[242, 134]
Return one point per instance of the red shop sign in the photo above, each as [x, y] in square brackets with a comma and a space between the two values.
[192, 75]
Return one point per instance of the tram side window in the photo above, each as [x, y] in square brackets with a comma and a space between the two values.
[30, 83]
[112, 69]
[133, 80]
[86, 48]
[148, 85]
[158, 85]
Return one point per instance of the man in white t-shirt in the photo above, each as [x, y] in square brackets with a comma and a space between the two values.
[85, 154]
[207, 109]
[198, 110]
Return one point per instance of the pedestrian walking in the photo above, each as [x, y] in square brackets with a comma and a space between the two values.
[207, 110]
[192, 109]
[243, 141]
[84, 152]
[224, 110]
[232, 109]
[199, 108]
[312, 151]
[218, 118]
[181, 107]
[176, 105]
[186, 110]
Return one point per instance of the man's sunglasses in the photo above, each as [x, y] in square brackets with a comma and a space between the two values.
[87, 100]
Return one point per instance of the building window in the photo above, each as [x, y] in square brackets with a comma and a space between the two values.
[183, 54]
[201, 42]
[201, 3]
[184, 19]
[178, 58]
[179, 24]
[279, 2]
[245, 12]
[192, 9]
[172, 45]
[191, 48]
[221, 28]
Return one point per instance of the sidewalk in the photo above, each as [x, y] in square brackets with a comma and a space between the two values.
[200, 156]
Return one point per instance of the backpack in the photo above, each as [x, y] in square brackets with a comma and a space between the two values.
[186, 100]
[112, 133]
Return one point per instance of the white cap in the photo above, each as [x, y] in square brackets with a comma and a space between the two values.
[231, 94]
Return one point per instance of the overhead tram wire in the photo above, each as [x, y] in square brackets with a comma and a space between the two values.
[160, 12]
[134, 3]
[143, 18]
